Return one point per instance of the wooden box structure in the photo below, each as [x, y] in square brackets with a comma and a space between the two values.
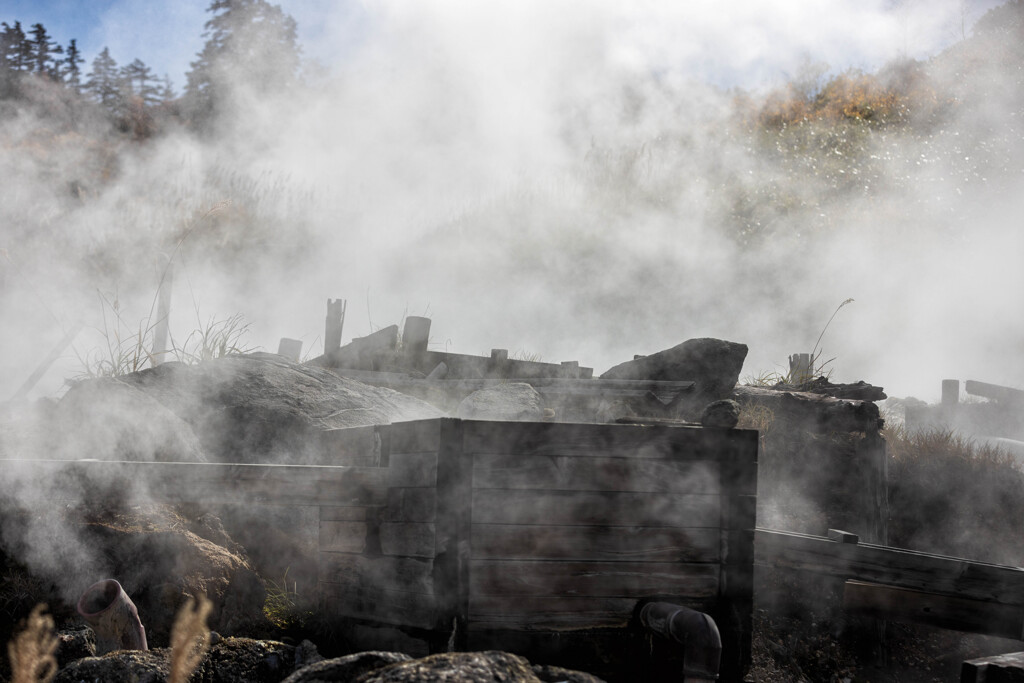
[497, 529]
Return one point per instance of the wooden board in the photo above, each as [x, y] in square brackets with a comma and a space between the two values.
[346, 537]
[944, 611]
[587, 508]
[608, 543]
[412, 470]
[351, 446]
[416, 436]
[379, 606]
[411, 505]
[556, 613]
[595, 579]
[395, 574]
[215, 482]
[1007, 668]
[591, 440]
[408, 539]
[500, 471]
[890, 566]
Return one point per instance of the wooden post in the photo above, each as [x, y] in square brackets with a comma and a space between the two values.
[738, 481]
[290, 349]
[950, 393]
[453, 526]
[499, 361]
[415, 334]
[163, 314]
[800, 369]
[335, 323]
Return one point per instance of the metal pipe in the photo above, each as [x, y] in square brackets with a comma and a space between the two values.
[113, 616]
[695, 631]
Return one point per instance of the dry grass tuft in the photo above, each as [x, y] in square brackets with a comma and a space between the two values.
[32, 651]
[190, 638]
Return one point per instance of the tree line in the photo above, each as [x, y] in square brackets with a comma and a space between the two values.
[248, 42]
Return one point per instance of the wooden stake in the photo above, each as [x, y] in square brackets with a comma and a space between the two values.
[335, 323]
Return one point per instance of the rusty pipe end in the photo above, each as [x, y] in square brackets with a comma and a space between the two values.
[113, 617]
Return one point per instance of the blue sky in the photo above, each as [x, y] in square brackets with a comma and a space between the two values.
[741, 42]
[167, 35]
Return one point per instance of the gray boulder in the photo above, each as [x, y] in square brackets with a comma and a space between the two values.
[345, 669]
[471, 667]
[714, 365]
[513, 401]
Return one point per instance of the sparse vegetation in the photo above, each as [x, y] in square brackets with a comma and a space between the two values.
[283, 604]
[190, 638]
[32, 651]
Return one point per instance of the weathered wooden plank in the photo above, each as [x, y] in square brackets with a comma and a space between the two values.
[1007, 668]
[609, 543]
[739, 463]
[401, 574]
[739, 512]
[329, 513]
[217, 482]
[891, 566]
[451, 575]
[411, 505]
[417, 436]
[592, 440]
[412, 469]
[351, 446]
[489, 612]
[409, 539]
[589, 508]
[378, 606]
[346, 537]
[994, 391]
[500, 471]
[945, 611]
[600, 579]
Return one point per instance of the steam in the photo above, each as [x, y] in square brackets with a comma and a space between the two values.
[559, 178]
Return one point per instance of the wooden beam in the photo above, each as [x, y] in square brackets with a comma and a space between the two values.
[994, 392]
[1007, 668]
[934, 609]
[452, 538]
[891, 566]
[178, 482]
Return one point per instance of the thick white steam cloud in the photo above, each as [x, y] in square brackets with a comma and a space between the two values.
[561, 178]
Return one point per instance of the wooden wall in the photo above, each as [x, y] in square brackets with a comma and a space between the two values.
[505, 526]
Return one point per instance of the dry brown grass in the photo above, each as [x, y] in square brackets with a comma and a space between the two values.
[32, 651]
[951, 496]
[190, 638]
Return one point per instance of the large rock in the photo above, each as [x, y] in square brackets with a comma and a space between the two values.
[472, 667]
[264, 408]
[230, 660]
[348, 668]
[512, 401]
[110, 419]
[714, 365]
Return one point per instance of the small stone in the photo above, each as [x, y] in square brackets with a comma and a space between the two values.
[722, 414]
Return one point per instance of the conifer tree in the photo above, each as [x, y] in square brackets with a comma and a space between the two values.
[249, 43]
[104, 82]
[17, 52]
[70, 73]
[140, 82]
[42, 52]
